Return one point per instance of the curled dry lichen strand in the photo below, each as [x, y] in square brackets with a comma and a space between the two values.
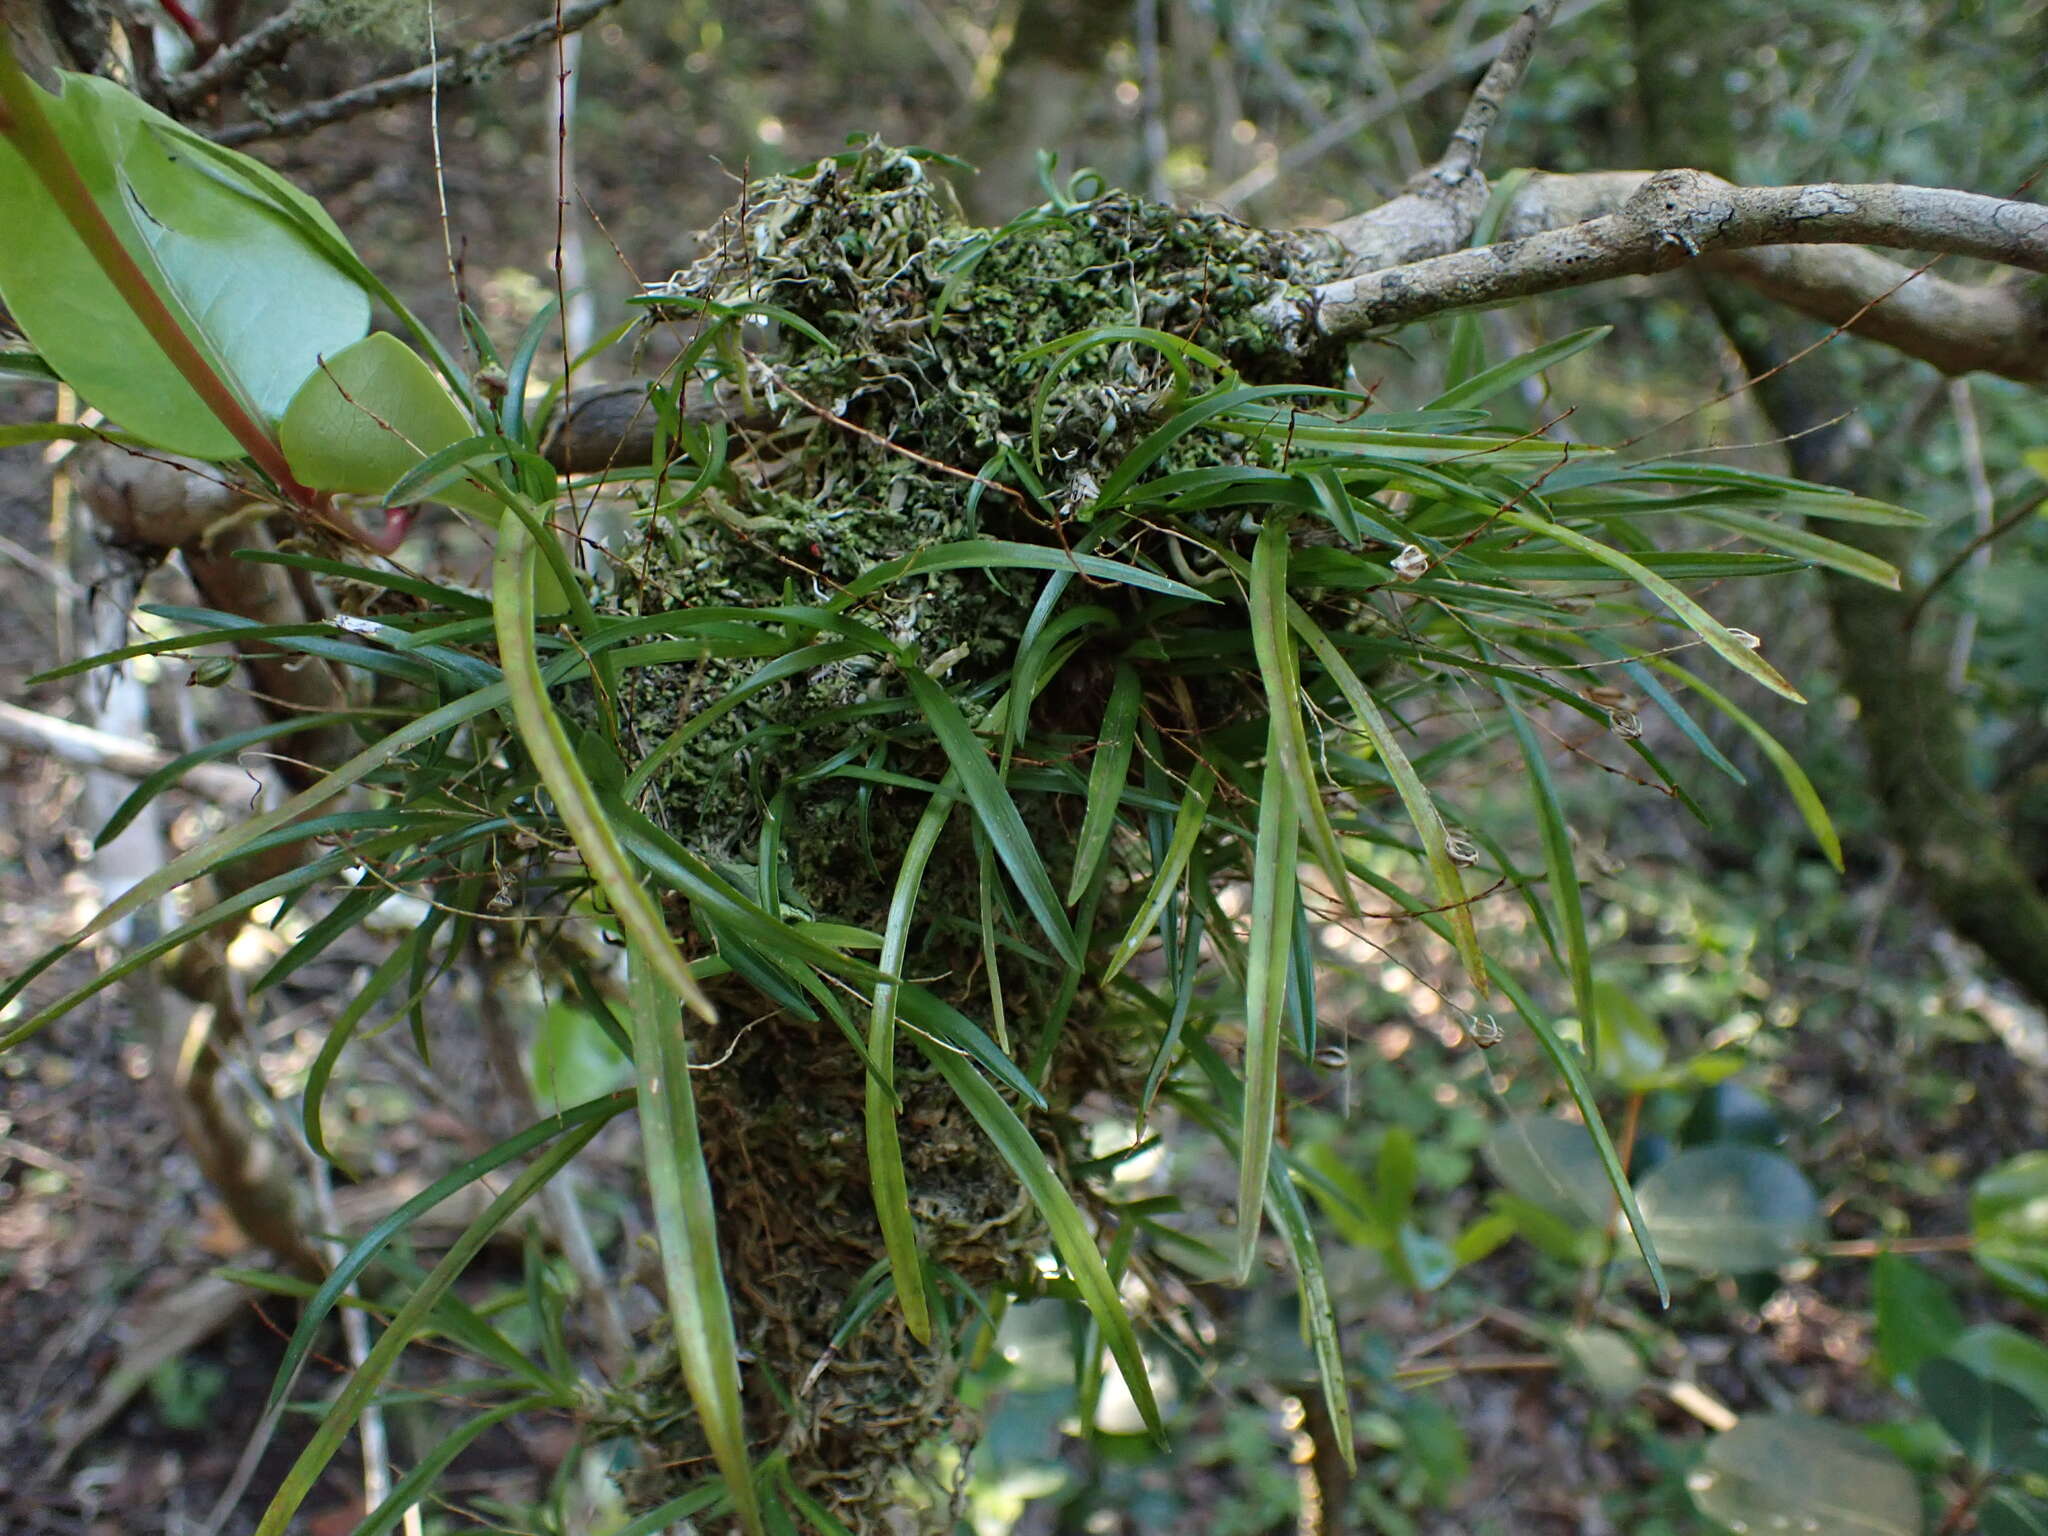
[927, 376]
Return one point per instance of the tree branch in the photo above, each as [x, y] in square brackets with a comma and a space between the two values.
[251, 51]
[452, 70]
[70, 742]
[1672, 218]
[1439, 208]
[1468, 142]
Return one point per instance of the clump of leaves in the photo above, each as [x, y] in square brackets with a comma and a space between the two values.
[1031, 599]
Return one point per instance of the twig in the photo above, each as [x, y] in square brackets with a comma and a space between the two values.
[453, 69]
[2018, 511]
[1152, 139]
[355, 1333]
[251, 51]
[1871, 1247]
[1982, 517]
[1341, 129]
[70, 742]
[1461, 158]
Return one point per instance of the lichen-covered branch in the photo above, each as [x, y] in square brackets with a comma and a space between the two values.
[1440, 207]
[1999, 328]
[1672, 218]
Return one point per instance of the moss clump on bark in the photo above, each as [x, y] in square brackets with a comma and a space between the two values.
[911, 401]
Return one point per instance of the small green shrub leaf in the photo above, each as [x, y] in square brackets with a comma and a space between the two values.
[1729, 1209]
[1781, 1472]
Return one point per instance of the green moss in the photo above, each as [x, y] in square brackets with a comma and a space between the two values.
[928, 370]
[927, 374]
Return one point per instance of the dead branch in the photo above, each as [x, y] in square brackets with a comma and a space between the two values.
[452, 70]
[1439, 207]
[68, 741]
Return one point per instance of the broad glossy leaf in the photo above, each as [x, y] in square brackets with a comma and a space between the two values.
[1606, 1359]
[1632, 1048]
[1781, 1472]
[369, 414]
[261, 301]
[1999, 1353]
[1998, 1428]
[1552, 1164]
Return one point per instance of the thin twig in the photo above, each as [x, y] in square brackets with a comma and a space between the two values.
[1982, 517]
[2018, 511]
[1468, 142]
[452, 69]
[255, 48]
[1340, 130]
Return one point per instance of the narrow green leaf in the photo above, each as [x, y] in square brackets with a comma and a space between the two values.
[156, 783]
[362, 1386]
[1000, 554]
[1415, 797]
[686, 1222]
[1187, 831]
[1504, 376]
[541, 733]
[419, 1481]
[1274, 880]
[1567, 901]
[1107, 772]
[1070, 1234]
[998, 814]
[1803, 542]
[1280, 671]
[885, 1147]
[1691, 614]
[1797, 784]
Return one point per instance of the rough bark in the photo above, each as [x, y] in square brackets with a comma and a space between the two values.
[1672, 218]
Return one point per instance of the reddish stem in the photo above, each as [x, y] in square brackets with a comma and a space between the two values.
[202, 41]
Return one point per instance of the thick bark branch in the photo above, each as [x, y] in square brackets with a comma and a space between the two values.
[1673, 218]
[1958, 327]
